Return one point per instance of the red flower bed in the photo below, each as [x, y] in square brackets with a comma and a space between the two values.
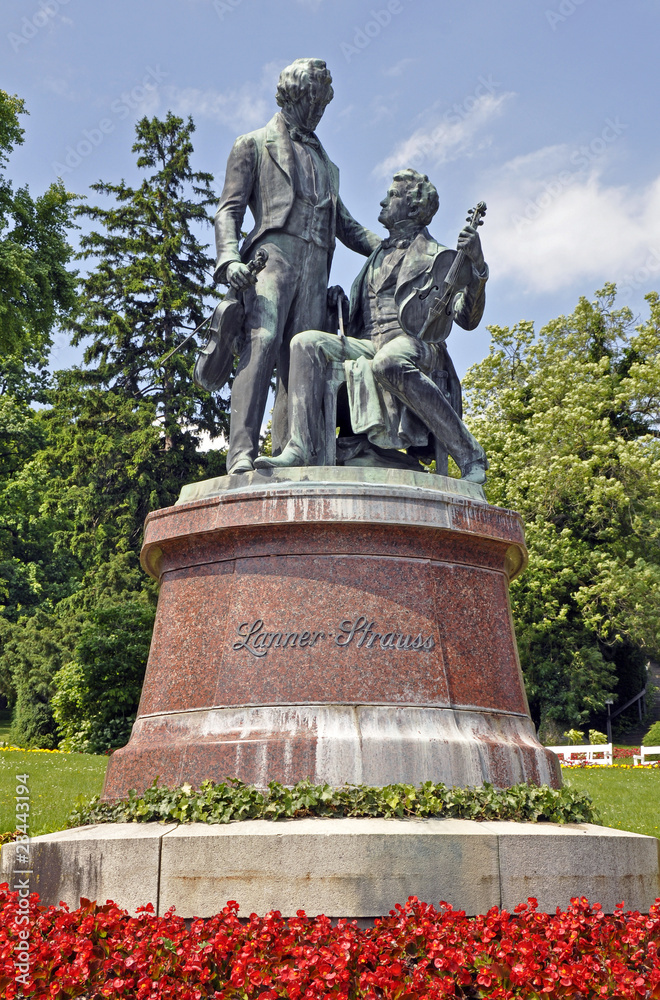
[416, 952]
[618, 753]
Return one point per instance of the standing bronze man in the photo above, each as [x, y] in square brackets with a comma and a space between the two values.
[283, 175]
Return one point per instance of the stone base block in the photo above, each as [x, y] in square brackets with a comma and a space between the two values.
[118, 861]
[357, 868]
[340, 867]
[549, 862]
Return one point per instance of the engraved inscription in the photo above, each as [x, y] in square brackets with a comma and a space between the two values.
[360, 632]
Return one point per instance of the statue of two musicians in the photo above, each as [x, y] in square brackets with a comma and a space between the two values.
[402, 397]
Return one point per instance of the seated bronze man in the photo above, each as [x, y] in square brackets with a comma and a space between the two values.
[402, 386]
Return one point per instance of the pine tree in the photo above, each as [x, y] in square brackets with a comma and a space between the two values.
[151, 285]
[120, 435]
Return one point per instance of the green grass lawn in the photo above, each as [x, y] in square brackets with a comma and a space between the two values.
[54, 780]
[626, 799]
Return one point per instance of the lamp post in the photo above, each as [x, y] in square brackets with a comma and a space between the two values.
[609, 720]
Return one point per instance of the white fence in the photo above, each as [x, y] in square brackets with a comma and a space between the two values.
[645, 752]
[589, 753]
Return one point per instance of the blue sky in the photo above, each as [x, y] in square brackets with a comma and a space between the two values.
[546, 109]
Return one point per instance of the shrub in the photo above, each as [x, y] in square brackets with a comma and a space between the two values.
[596, 738]
[574, 737]
[99, 689]
[34, 650]
[652, 738]
[232, 800]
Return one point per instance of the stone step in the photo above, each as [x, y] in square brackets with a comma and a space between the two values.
[357, 868]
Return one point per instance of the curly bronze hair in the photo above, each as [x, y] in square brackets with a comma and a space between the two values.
[421, 193]
[295, 80]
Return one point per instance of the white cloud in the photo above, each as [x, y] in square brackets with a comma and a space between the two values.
[246, 107]
[455, 136]
[61, 88]
[398, 68]
[549, 229]
[241, 109]
[381, 109]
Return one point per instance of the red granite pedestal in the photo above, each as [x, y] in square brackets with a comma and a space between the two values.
[345, 625]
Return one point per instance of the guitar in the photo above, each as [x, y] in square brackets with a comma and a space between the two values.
[432, 320]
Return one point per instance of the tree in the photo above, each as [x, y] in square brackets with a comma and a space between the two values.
[34, 650]
[98, 690]
[150, 283]
[125, 428]
[36, 568]
[36, 290]
[119, 438]
[570, 420]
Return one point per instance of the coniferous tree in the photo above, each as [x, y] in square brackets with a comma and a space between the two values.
[151, 284]
[120, 435]
[126, 426]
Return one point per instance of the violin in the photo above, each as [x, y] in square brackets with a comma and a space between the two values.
[429, 316]
[226, 331]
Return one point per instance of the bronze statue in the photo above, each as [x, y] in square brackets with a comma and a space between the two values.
[402, 385]
[283, 175]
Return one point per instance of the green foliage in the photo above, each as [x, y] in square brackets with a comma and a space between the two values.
[110, 469]
[98, 690]
[35, 292]
[230, 801]
[34, 649]
[36, 289]
[37, 566]
[596, 738]
[115, 440]
[652, 738]
[11, 132]
[569, 418]
[151, 284]
[574, 737]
